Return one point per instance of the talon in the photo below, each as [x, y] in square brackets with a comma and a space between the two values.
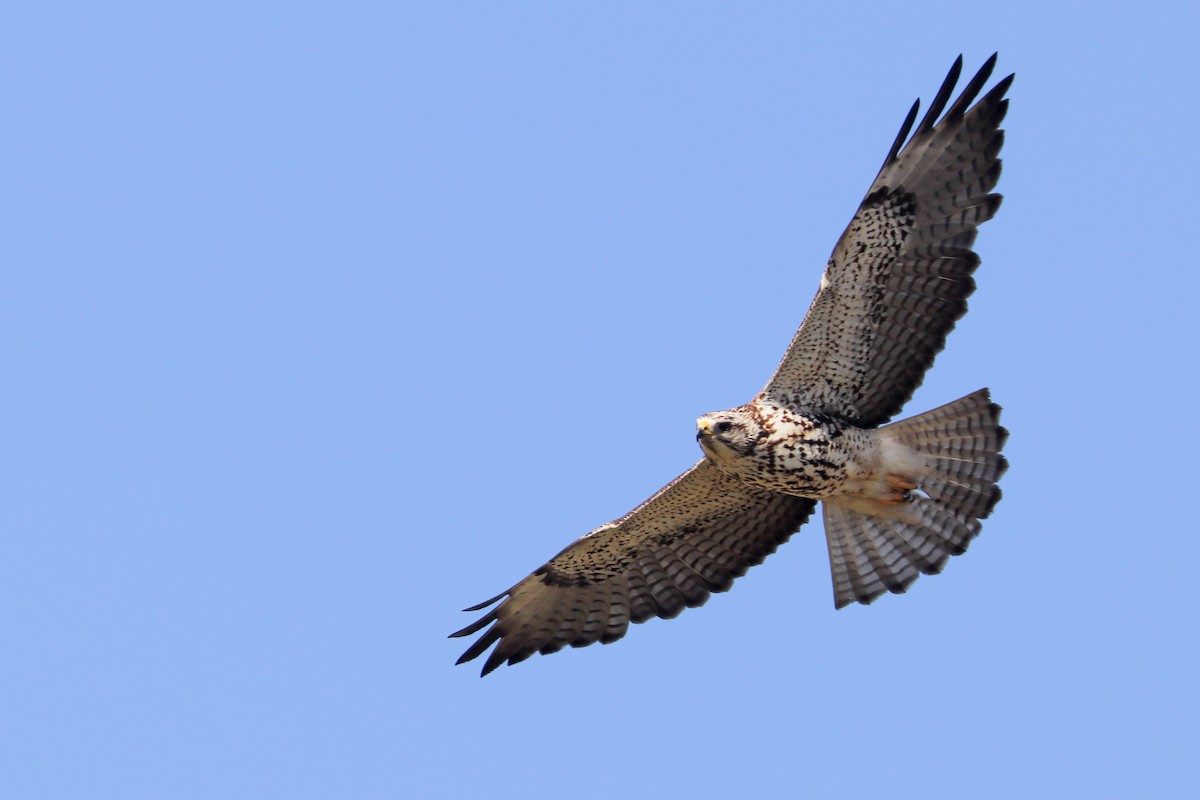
[901, 494]
[897, 498]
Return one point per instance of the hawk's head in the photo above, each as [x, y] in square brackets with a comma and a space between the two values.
[728, 435]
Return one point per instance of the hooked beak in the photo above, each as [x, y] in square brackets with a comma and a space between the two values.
[704, 438]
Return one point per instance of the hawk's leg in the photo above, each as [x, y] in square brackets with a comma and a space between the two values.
[901, 493]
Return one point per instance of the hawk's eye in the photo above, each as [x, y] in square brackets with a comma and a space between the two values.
[722, 427]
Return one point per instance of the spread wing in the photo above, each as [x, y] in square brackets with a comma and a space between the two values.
[900, 275]
[690, 539]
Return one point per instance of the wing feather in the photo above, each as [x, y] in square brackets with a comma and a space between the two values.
[691, 539]
[900, 275]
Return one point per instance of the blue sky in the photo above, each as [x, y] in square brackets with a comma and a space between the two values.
[323, 322]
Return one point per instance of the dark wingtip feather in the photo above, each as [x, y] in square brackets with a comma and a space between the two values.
[494, 660]
[972, 89]
[477, 625]
[481, 644]
[486, 603]
[938, 105]
[490, 637]
[902, 135]
[943, 96]
[1001, 88]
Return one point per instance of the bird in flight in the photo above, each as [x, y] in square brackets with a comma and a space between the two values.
[897, 499]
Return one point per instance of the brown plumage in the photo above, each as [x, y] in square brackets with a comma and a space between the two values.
[898, 500]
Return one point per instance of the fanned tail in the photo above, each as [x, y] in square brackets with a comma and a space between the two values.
[958, 446]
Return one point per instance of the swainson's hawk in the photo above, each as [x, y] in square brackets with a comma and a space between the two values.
[898, 499]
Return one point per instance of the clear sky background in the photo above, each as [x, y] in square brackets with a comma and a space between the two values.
[324, 321]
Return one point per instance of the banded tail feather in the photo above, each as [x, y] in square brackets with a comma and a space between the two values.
[959, 445]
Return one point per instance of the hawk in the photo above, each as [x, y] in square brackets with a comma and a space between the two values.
[897, 499]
